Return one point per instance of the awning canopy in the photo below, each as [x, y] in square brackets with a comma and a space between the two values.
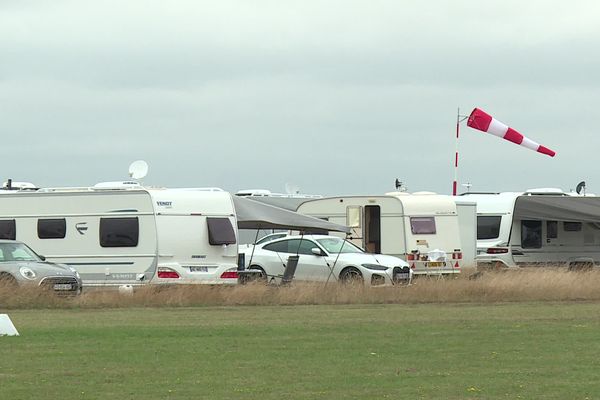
[558, 208]
[254, 215]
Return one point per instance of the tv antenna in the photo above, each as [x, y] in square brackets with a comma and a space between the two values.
[399, 185]
[468, 186]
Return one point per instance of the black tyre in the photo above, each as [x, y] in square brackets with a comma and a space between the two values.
[263, 275]
[351, 275]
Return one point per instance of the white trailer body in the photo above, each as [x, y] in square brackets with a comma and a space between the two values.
[536, 228]
[128, 236]
[414, 227]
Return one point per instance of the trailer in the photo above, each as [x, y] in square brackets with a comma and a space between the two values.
[421, 228]
[538, 227]
[120, 233]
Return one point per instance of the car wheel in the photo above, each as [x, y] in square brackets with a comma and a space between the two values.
[351, 275]
[7, 280]
[263, 275]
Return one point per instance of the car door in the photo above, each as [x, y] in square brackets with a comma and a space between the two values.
[273, 257]
[310, 267]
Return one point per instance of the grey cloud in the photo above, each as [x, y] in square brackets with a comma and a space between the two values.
[336, 100]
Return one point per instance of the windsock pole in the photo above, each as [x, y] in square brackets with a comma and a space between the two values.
[458, 121]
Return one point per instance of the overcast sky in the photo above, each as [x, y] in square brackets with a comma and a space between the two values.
[335, 97]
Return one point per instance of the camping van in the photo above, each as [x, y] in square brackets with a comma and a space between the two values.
[537, 227]
[122, 233]
[421, 228]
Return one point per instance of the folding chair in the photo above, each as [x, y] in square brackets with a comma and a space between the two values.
[290, 270]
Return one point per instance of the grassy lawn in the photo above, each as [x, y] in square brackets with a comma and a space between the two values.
[508, 351]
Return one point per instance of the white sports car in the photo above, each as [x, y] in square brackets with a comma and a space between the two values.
[323, 257]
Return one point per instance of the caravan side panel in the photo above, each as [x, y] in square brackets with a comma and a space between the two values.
[81, 247]
[352, 211]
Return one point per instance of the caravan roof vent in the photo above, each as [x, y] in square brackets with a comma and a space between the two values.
[199, 189]
[117, 185]
[253, 192]
[553, 191]
[11, 185]
[397, 194]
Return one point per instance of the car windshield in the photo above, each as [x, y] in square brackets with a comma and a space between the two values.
[16, 252]
[337, 245]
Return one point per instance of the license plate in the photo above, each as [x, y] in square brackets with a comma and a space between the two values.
[63, 286]
[435, 264]
[198, 269]
[402, 277]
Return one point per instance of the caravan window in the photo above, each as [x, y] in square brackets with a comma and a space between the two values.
[353, 216]
[488, 226]
[572, 226]
[52, 228]
[531, 234]
[551, 229]
[422, 225]
[8, 229]
[119, 232]
[220, 231]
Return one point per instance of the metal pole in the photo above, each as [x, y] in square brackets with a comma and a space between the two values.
[455, 183]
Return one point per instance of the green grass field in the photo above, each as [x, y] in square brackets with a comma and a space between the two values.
[508, 351]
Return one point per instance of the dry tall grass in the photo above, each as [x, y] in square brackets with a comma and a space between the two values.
[535, 284]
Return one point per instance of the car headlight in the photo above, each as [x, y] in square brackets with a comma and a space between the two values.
[375, 267]
[27, 273]
[74, 271]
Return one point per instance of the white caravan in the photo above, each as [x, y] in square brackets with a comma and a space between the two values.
[121, 233]
[421, 228]
[537, 227]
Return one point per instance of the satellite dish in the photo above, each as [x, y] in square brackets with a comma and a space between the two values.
[138, 169]
[290, 188]
[580, 187]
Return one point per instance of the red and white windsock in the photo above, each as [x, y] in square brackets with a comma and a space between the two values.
[482, 121]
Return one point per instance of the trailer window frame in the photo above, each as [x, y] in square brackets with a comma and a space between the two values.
[531, 234]
[8, 229]
[488, 226]
[220, 231]
[119, 232]
[423, 225]
[551, 229]
[52, 228]
[572, 226]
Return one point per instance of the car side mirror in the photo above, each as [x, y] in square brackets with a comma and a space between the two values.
[43, 258]
[316, 251]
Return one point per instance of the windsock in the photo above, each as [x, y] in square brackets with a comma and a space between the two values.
[482, 121]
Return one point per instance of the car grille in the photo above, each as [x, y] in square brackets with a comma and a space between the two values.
[61, 284]
[401, 274]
